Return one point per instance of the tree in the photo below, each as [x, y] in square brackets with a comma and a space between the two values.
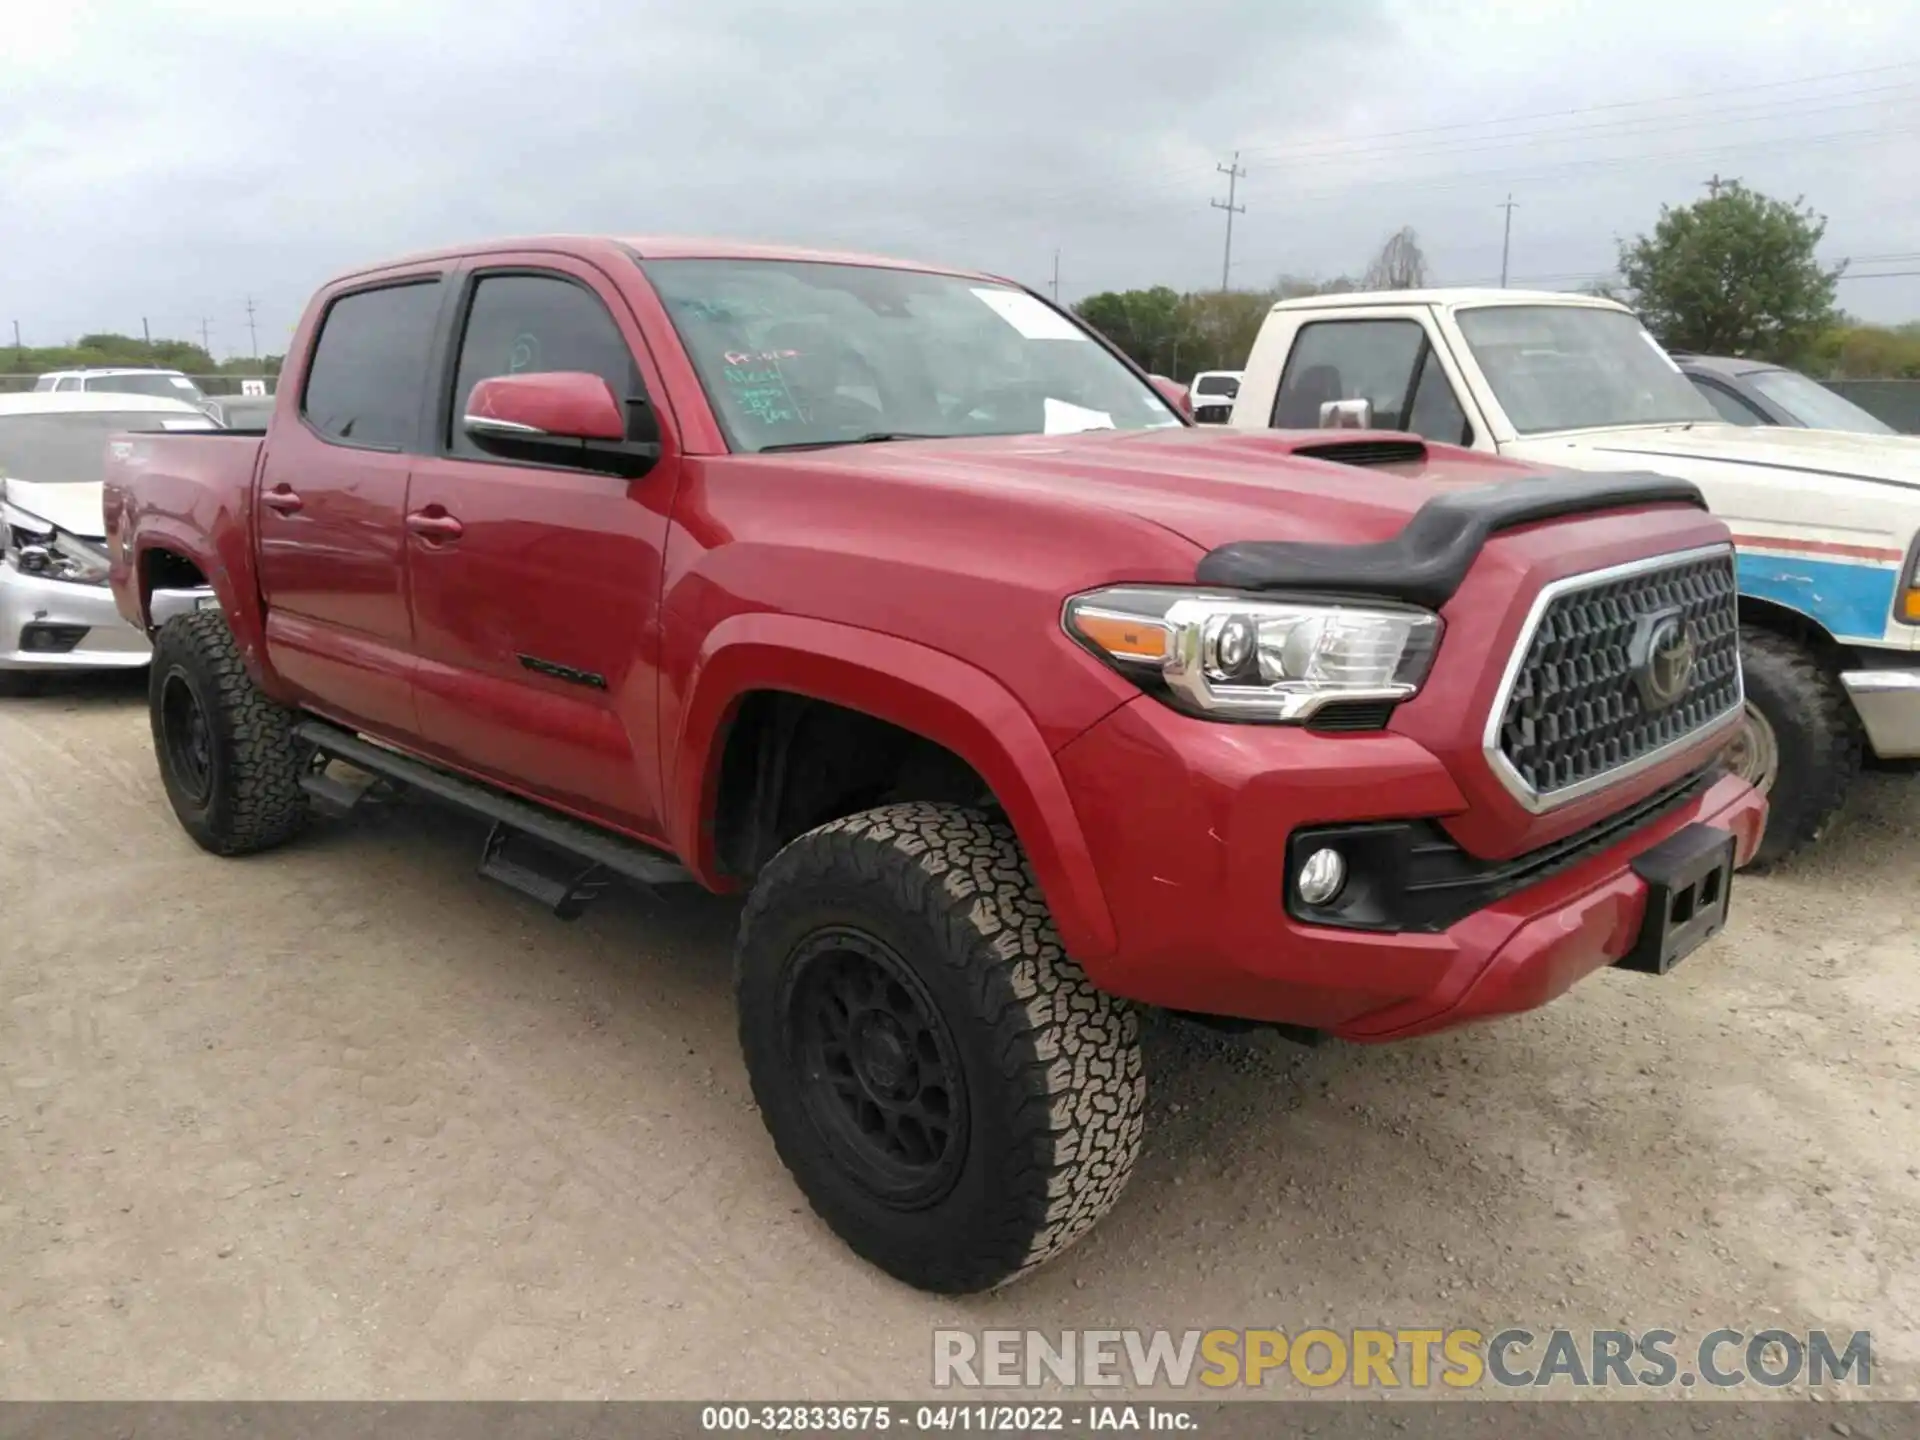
[1400, 265]
[1148, 324]
[1733, 274]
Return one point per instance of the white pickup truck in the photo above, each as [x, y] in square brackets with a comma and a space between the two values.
[1825, 523]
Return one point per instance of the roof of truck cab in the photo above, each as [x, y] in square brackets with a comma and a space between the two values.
[67, 402]
[665, 247]
[1455, 295]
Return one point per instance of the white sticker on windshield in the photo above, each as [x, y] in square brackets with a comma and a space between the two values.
[1028, 315]
[1065, 419]
[1648, 337]
[186, 425]
[181, 382]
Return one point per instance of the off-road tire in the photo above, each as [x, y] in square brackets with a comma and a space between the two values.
[1050, 1068]
[1818, 734]
[251, 799]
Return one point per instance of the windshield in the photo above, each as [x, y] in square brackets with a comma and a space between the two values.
[799, 353]
[1226, 385]
[1813, 404]
[173, 387]
[1567, 367]
[72, 448]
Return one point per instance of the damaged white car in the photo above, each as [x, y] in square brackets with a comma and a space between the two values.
[56, 612]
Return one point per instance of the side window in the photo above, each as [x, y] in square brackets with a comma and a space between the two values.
[1732, 408]
[1435, 413]
[369, 370]
[525, 324]
[67, 382]
[1369, 360]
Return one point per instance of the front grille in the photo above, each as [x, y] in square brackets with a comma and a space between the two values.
[1578, 707]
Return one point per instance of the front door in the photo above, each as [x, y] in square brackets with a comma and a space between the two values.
[332, 494]
[536, 588]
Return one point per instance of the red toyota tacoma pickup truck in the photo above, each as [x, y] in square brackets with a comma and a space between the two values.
[895, 599]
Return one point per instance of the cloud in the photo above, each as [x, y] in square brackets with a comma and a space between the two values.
[168, 160]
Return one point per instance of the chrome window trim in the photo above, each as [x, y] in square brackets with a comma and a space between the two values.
[1503, 769]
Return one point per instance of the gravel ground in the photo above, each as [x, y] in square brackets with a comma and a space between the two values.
[346, 1121]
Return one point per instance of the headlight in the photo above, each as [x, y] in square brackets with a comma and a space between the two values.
[1242, 658]
[34, 547]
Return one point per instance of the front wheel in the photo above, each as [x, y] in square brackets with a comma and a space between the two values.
[1799, 744]
[227, 753]
[953, 1096]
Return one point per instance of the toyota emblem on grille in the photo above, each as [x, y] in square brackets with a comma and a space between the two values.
[1662, 656]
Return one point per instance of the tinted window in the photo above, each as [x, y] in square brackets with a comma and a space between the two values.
[1436, 413]
[1349, 360]
[72, 448]
[369, 370]
[1217, 385]
[1732, 408]
[526, 324]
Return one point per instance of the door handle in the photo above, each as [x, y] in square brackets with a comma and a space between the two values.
[282, 500]
[434, 527]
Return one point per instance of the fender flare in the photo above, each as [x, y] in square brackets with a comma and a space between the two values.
[238, 596]
[925, 691]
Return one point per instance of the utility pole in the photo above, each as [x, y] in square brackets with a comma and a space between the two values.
[253, 335]
[17, 347]
[1056, 277]
[205, 344]
[1234, 174]
[145, 333]
[1713, 185]
[1506, 238]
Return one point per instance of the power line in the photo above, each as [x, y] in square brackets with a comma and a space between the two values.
[1618, 105]
[1234, 173]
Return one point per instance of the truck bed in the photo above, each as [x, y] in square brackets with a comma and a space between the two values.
[190, 487]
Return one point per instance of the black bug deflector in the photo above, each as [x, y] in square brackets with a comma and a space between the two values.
[1425, 563]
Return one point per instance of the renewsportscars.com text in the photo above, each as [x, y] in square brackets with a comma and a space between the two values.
[1399, 1359]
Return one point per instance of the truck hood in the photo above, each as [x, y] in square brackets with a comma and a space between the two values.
[1887, 459]
[75, 508]
[1211, 487]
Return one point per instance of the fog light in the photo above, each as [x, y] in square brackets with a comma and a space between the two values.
[1322, 876]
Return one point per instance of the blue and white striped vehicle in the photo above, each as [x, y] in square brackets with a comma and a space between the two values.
[1826, 524]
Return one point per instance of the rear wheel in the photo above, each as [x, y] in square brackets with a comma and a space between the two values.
[227, 753]
[954, 1097]
[1800, 743]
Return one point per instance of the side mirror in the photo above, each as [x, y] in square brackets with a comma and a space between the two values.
[1174, 393]
[554, 405]
[1346, 415]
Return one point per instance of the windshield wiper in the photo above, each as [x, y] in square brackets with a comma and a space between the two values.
[872, 437]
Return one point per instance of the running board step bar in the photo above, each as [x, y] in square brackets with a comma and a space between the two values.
[593, 856]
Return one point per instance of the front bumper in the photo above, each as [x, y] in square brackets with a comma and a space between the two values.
[38, 618]
[1194, 862]
[1888, 703]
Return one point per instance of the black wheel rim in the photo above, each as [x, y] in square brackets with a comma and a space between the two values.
[189, 738]
[878, 1071]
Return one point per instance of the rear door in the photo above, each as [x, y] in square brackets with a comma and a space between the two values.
[332, 496]
[536, 624]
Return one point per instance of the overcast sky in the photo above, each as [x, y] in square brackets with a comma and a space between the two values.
[167, 159]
